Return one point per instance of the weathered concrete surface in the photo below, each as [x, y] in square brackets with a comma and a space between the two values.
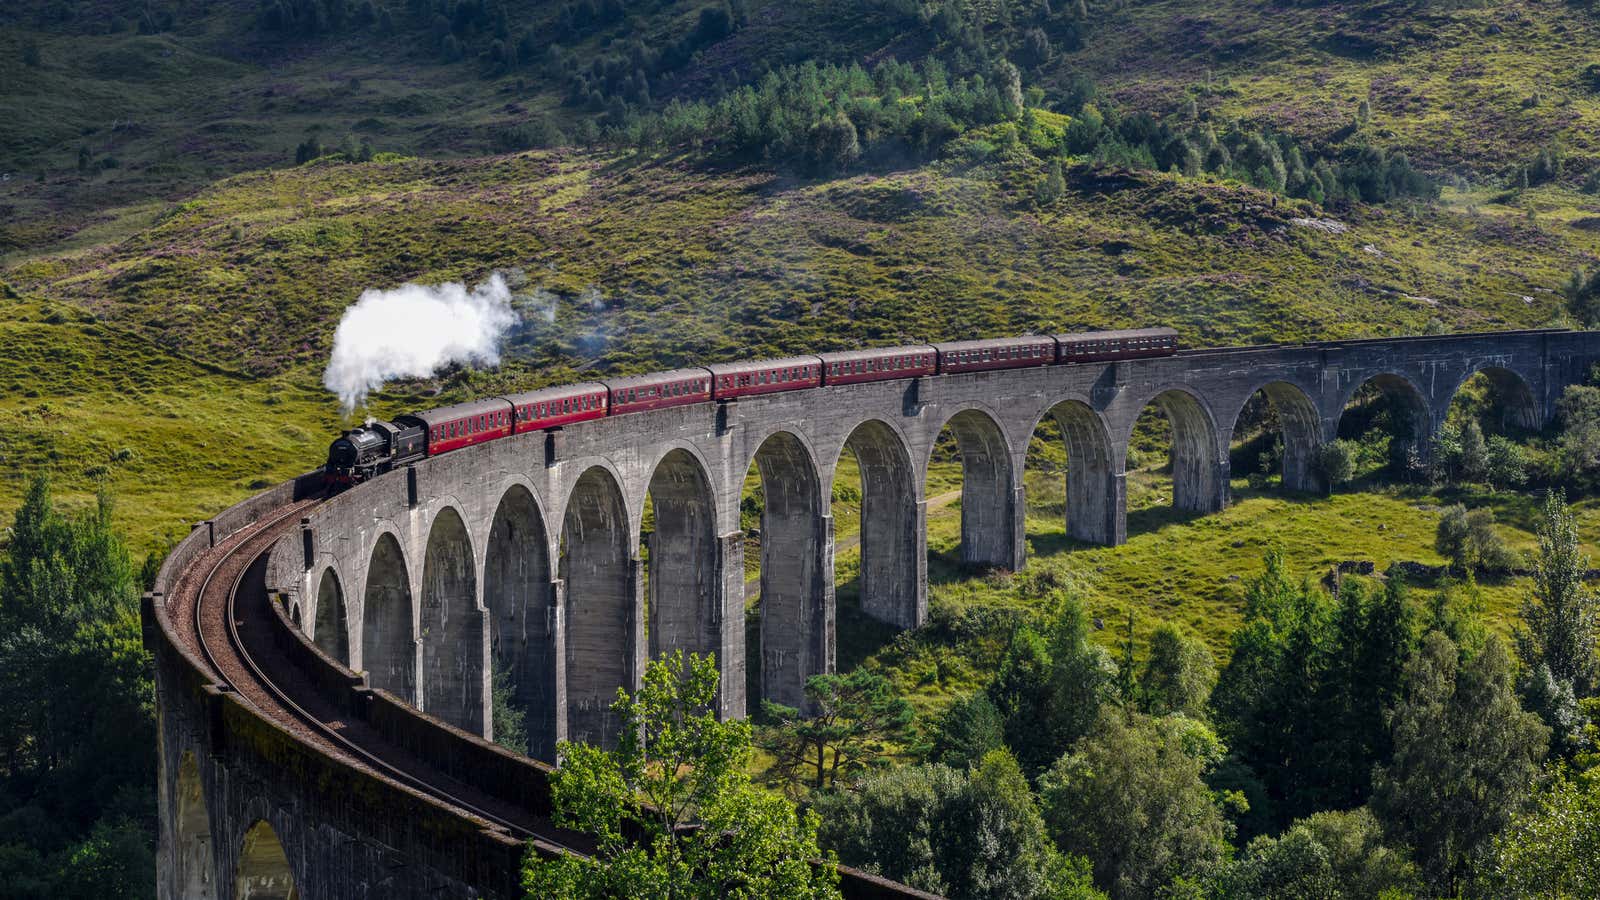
[578, 497]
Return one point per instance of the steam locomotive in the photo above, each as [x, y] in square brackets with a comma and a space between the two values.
[375, 448]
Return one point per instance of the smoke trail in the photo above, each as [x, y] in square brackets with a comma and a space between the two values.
[413, 331]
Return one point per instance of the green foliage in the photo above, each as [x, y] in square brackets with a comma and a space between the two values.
[1336, 462]
[1050, 688]
[1465, 757]
[77, 729]
[1561, 616]
[851, 723]
[1577, 452]
[1471, 543]
[1549, 850]
[974, 833]
[1179, 672]
[1333, 855]
[1302, 699]
[510, 720]
[1130, 798]
[678, 776]
[969, 730]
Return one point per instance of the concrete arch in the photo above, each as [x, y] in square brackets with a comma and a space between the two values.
[197, 865]
[797, 607]
[1413, 428]
[452, 627]
[263, 869]
[388, 628]
[1301, 432]
[331, 633]
[601, 575]
[893, 552]
[1094, 475]
[684, 592]
[1199, 467]
[520, 598]
[1519, 408]
[990, 492]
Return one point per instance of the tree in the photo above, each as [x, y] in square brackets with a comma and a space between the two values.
[1336, 462]
[1474, 452]
[832, 144]
[77, 724]
[1550, 849]
[969, 730]
[1130, 799]
[678, 779]
[1178, 674]
[1334, 854]
[855, 718]
[1506, 463]
[964, 834]
[1465, 755]
[1052, 186]
[1561, 617]
[1469, 541]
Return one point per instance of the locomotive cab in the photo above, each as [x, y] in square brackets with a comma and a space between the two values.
[363, 452]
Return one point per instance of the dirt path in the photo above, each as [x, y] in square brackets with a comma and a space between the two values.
[752, 587]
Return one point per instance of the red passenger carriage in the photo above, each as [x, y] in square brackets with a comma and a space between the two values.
[547, 408]
[765, 376]
[999, 353]
[659, 390]
[462, 425]
[854, 366]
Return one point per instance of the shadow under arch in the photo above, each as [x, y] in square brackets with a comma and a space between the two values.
[602, 608]
[684, 587]
[332, 628]
[893, 562]
[1301, 430]
[197, 865]
[1093, 492]
[452, 684]
[388, 632]
[797, 609]
[520, 598]
[1199, 483]
[1396, 398]
[989, 494]
[263, 872]
[1510, 394]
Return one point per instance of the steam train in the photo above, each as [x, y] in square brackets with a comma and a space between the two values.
[373, 449]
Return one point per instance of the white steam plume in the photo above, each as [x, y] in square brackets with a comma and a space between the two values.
[413, 331]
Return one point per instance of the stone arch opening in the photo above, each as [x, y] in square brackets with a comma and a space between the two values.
[1175, 425]
[519, 595]
[1499, 399]
[388, 632]
[684, 601]
[264, 872]
[973, 442]
[452, 685]
[196, 860]
[892, 561]
[1073, 476]
[602, 591]
[332, 635]
[1388, 420]
[1277, 432]
[792, 535]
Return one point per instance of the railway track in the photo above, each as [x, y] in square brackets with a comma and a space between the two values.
[232, 630]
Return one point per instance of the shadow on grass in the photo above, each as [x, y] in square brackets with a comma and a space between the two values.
[859, 635]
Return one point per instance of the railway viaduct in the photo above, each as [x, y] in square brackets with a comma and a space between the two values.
[564, 559]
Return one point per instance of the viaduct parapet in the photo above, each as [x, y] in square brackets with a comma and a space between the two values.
[564, 559]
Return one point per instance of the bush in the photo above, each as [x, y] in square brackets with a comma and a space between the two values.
[1336, 462]
[1469, 541]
